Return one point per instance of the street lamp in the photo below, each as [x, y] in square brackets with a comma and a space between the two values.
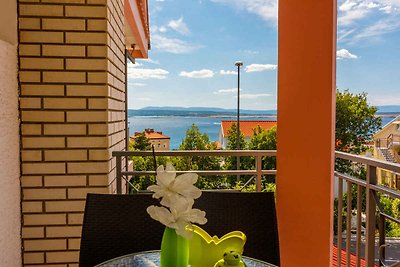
[238, 64]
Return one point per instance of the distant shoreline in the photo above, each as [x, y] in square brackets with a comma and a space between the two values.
[388, 114]
[234, 116]
[204, 116]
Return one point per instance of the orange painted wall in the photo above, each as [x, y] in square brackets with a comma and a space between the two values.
[306, 126]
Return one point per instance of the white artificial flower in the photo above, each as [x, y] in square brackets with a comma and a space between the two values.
[172, 188]
[180, 217]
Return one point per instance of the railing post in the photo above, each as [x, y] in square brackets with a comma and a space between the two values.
[339, 221]
[348, 223]
[382, 238]
[259, 172]
[371, 218]
[119, 174]
[358, 235]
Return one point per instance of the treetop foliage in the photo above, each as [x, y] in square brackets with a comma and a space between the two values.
[355, 121]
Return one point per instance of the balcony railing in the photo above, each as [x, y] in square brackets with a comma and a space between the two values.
[362, 245]
[373, 211]
[257, 173]
[393, 139]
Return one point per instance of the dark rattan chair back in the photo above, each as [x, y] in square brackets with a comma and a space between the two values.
[252, 213]
[115, 225]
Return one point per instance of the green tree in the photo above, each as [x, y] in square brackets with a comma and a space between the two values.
[232, 137]
[355, 121]
[141, 142]
[355, 124]
[230, 162]
[265, 140]
[195, 140]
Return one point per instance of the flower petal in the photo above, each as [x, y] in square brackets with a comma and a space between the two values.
[169, 198]
[183, 184]
[165, 177]
[181, 206]
[162, 215]
[182, 229]
[158, 191]
[197, 216]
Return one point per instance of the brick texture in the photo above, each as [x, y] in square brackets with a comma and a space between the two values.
[72, 103]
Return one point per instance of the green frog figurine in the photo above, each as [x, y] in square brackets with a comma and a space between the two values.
[231, 258]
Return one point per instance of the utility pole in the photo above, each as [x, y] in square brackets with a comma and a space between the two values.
[238, 64]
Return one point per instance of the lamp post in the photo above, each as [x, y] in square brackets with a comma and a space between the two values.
[238, 64]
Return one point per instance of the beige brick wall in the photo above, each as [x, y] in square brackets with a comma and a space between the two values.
[72, 75]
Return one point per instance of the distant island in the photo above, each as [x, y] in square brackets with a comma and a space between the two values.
[198, 112]
[221, 112]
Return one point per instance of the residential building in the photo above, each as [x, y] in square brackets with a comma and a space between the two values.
[387, 147]
[246, 128]
[160, 141]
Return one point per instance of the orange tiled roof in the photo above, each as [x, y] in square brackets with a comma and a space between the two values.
[246, 127]
[353, 259]
[152, 135]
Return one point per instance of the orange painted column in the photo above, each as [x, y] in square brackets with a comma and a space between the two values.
[306, 130]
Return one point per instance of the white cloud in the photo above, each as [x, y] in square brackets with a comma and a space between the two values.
[144, 74]
[162, 29]
[226, 91]
[228, 72]
[253, 96]
[355, 23]
[173, 45]
[143, 98]
[344, 53]
[179, 25]
[138, 84]
[377, 29]
[251, 52]
[204, 73]
[260, 67]
[353, 10]
[342, 34]
[148, 60]
[387, 9]
[266, 9]
[134, 65]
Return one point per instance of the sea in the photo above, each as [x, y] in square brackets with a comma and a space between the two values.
[175, 126]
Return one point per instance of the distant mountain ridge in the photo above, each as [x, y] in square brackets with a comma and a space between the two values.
[197, 112]
[212, 111]
[209, 109]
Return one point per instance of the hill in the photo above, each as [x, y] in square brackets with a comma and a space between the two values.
[221, 112]
[196, 112]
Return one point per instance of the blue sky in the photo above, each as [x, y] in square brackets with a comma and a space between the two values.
[195, 44]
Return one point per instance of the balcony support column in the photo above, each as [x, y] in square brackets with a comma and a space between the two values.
[306, 131]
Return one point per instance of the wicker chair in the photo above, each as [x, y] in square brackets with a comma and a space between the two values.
[116, 225]
[252, 213]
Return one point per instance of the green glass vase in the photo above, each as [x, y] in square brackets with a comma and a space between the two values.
[174, 249]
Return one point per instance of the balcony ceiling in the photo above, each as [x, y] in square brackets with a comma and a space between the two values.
[137, 36]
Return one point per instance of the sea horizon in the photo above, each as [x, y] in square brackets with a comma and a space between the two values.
[175, 126]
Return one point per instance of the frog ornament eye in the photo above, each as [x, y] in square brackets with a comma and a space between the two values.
[230, 258]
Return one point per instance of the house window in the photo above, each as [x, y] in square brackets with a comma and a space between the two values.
[159, 145]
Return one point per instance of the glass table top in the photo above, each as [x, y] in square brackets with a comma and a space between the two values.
[152, 259]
